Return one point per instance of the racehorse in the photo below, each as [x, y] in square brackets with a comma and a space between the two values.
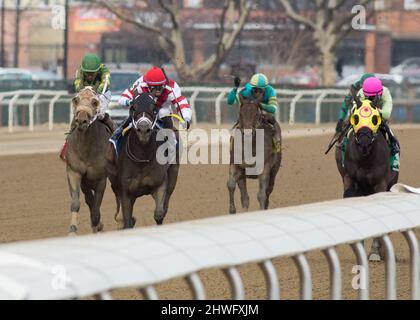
[85, 158]
[251, 118]
[139, 170]
[363, 159]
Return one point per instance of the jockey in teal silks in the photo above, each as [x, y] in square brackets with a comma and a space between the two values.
[259, 89]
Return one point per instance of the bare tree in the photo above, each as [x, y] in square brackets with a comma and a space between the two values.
[170, 32]
[329, 24]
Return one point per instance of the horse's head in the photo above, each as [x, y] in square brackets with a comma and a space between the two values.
[365, 121]
[144, 114]
[250, 115]
[85, 106]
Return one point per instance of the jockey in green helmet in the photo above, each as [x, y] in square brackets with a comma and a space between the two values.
[92, 73]
[259, 89]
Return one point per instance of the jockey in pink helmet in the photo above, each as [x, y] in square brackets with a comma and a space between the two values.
[375, 91]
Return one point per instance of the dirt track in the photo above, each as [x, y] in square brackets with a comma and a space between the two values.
[34, 204]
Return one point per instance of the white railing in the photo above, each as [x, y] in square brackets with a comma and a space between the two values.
[66, 268]
[50, 96]
[317, 97]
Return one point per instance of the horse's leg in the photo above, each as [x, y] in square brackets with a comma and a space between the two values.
[127, 209]
[349, 191]
[273, 174]
[262, 193]
[95, 213]
[231, 187]
[172, 179]
[244, 191]
[88, 192]
[160, 195]
[376, 250]
[74, 179]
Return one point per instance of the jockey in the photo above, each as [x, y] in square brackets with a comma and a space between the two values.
[259, 89]
[166, 93]
[348, 100]
[92, 73]
[374, 90]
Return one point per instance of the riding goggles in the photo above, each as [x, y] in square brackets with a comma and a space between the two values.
[257, 91]
[156, 88]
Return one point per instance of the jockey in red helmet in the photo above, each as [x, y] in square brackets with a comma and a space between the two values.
[166, 93]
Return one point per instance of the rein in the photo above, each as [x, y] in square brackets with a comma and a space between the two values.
[258, 123]
[365, 134]
[130, 153]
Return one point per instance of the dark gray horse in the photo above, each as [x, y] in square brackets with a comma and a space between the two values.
[250, 119]
[366, 168]
[86, 164]
[139, 172]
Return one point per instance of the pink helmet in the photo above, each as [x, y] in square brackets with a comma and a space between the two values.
[372, 87]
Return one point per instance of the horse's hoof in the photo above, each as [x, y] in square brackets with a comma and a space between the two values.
[232, 211]
[98, 228]
[73, 230]
[120, 224]
[374, 257]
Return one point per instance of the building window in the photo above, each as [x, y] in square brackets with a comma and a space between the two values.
[193, 3]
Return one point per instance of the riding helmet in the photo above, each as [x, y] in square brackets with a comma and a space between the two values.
[91, 63]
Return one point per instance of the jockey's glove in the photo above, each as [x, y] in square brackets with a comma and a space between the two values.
[237, 82]
[186, 124]
[128, 103]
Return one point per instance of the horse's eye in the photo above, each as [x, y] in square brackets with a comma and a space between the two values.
[95, 103]
[356, 119]
[375, 120]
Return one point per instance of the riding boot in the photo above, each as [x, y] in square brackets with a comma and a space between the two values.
[395, 146]
[117, 132]
[108, 122]
[276, 131]
[65, 146]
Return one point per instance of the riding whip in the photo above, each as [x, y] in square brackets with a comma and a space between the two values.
[177, 104]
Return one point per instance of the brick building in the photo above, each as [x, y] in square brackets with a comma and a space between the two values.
[391, 37]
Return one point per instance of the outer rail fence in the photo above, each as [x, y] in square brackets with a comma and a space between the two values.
[208, 104]
[94, 265]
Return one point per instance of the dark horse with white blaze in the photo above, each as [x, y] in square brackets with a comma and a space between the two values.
[86, 164]
[366, 167]
[251, 118]
[139, 170]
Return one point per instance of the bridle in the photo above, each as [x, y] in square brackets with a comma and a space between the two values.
[144, 119]
[258, 122]
[135, 124]
[372, 140]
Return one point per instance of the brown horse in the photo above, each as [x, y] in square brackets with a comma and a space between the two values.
[366, 169]
[86, 164]
[251, 119]
[139, 169]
